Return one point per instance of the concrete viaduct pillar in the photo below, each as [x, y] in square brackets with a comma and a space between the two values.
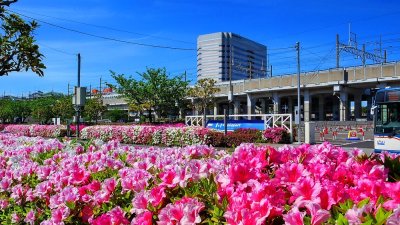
[344, 106]
[357, 105]
[277, 102]
[263, 106]
[215, 108]
[307, 106]
[290, 105]
[250, 105]
[321, 113]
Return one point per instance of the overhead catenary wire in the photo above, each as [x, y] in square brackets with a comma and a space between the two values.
[104, 37]
[104, 27]
[59, 50]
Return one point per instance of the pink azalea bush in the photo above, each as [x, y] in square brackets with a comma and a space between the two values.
[2, 126]
[275, 135]
[50, 182]
[148, 135]
[73, 128]
[36, 130]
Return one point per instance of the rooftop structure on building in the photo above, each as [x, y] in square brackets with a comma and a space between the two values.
[41, 94]
[225, 55]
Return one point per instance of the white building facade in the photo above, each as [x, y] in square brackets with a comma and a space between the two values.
[225, 55]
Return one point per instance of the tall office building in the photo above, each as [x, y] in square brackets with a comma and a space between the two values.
[224, 54]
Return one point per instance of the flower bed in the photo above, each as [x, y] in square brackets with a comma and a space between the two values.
[49, 182]
[183, 136]
[148, 135]
[233, 139]
[35, 130]
[2, 126]
[276, 135]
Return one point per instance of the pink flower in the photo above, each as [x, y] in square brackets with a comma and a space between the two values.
[60, 214]
[294, 217]
[15, 218]
[134, 179]
[70, 194]
[394, 219]
[169, 178]
[30, 217]
[145, 218]
[393, 190]
[139, 203]
[110, 184]
[318, 215]
[306, 190]
[5, 184]
[3, 203]
[113, 217]
[156, 195]
[87, 213]
[184, 211]
[291, 172]
[78, 175]
[354, 215]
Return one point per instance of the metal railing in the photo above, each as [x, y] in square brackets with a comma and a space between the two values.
[270, 120]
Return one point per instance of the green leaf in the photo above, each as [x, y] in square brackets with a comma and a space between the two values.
[70, 205]
[342, 220]
[368, 222]
[363, 203]
[381, 216]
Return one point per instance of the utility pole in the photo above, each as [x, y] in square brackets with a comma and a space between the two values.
[79, 97]
[384, 56]
[230, 94]
[271, 70]
[298, 90]
[78, 112]
[337, 50]
[68, 89]
[363, 55]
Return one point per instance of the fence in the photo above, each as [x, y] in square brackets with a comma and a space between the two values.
[270, 120]
[340, 131]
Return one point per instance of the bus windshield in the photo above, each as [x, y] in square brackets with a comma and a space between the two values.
[388, 118]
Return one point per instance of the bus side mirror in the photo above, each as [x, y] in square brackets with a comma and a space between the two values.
[373, 110]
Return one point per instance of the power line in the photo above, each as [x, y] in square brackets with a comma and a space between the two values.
[105, 27]
[106, 38]
[335, 25]
[58, 50]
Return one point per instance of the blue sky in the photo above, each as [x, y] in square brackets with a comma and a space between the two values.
[278, 24]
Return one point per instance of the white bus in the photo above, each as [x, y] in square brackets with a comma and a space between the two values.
[387, 120]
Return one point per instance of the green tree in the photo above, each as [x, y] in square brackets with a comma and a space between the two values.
[6, 110]
[203, 94]
[18, 50]
[63, 108]
[94, 108]
[22, 109]
[155, 91]
[42, 109]
[116, 114]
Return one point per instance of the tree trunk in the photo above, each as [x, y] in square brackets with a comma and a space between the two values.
[204, 117]
[150, 118]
